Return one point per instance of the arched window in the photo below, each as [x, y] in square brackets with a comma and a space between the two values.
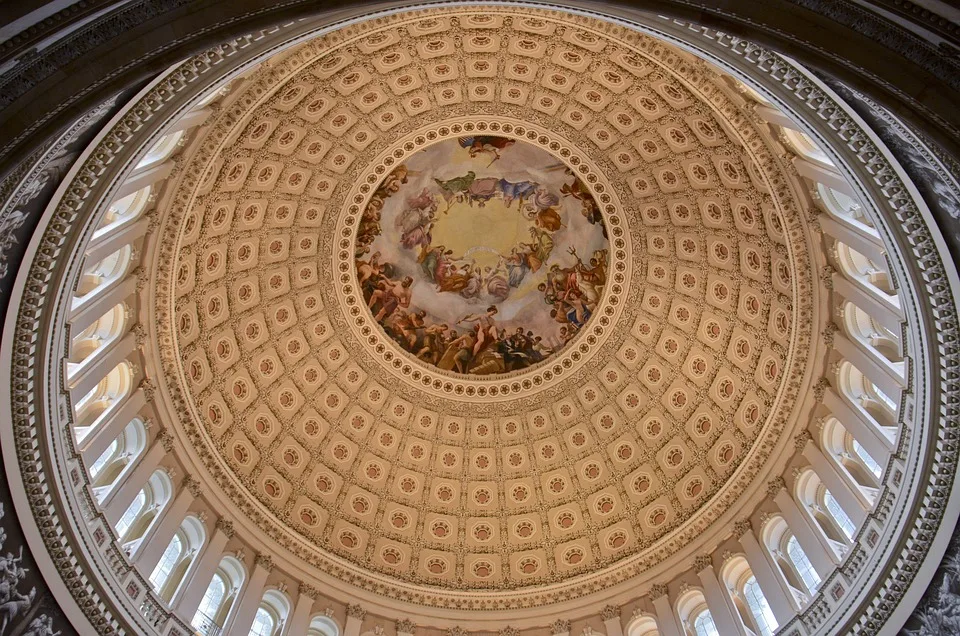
[877, 407]
[845, 208]
[122, 211]
[323, 626]
[703, 624]
[802, 565]
[95, 338]
[871, 276]
[839, 516]
[219, 597]
[102, 274]
[643, 626]
[805, 147]
[108, 470]
[762, 614]
[93, 408]
[813, 497]
[171, 556]
[130, 515]
[868, 461]
[850, 457]
[163, 148]
[263, 623]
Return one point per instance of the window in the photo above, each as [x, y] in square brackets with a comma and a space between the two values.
[105, 457]
[867, 460]
[703, 624]
[833, 506]
[808, 575]
[167, 562]
[205, 618]
[263, 624]
[133, 511]
[762, 614]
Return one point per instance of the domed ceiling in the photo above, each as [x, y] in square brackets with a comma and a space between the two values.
[476, 299]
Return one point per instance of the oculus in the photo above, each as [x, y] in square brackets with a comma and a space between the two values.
[482, 255]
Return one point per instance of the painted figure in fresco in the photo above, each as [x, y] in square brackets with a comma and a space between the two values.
[588, 206]
[391, 295]
[486, 327]
[434, 340]
[519, 191]
[42, 626]
[482, 190]
[496, 281]
[416, 220]
[541, 246]
[370, 269]
[517, 265]
[486, 144]
[455, 188]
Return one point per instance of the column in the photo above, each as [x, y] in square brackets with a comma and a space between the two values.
[880, 308]
[850, 497]
[355, 616]
[667, 622]
[781, 600]
[718, 599]
[100, 439]
[826, 176]
[88, 312]
[187, 600]
[246, 606]
[118, 500]
[299, 622]
[158, 537]
[814, 544]
[880, 373]
[878, 445]
[611, 620]
[559, 627]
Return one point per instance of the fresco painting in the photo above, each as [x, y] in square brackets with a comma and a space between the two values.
[482, 255]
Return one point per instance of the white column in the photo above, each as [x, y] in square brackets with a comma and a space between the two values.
[880, 308]
[667, 622]
[611, 620]
[814, 544]
[118, 500]
[141, 179]
[299, 622]
[89, 311]
[878, 445]
[781, 600]
[187, 600]
[355, 616]
[853, 501]
[718, 600]
[158, 537]
[881, 374]
[114, 240]
[102, 363]
[246, 606]
[823, 175]
[865, 243]
[100, 439]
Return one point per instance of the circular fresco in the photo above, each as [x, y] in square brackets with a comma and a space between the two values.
[482, 255]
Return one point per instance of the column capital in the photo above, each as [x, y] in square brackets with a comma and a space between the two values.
[742, 527]
[702, 562]
[146, 385]
[356, 611]
[657, 590]
[193, 485]
[406, 626]
[801, 439]
[775, 485]
[165, 439]
[225, 526]
[610, 612]
[819, 388]
[560, 626]
[263, 561]
[509, 631]
[308, 590]
[456, 631]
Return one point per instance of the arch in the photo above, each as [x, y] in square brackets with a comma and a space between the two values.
[794, 565]
[643, 625]
[107, 329]
[747, 596]
[111, 467]
[805, 147]
[271, 614]
[872, 277]
[215, 608]
[144, 509]
[323, 625]
[845, 208]
[161, 150]
[91, 410]
[884, 345]
[102, 274]
[122, 211]
[824, 511]
[183, 548]
[694, 614]
[864, 396]
[850, 457]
